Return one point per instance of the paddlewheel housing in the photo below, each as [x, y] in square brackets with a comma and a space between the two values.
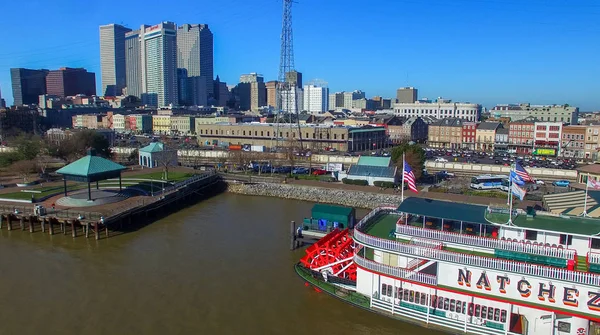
[333, 254]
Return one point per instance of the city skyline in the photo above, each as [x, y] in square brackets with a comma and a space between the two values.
[536, 55]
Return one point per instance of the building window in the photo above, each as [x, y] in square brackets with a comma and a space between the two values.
[244, 133]
[343, 135]
[383, 289]
[261, 133]
[335, 136]
[268, 134]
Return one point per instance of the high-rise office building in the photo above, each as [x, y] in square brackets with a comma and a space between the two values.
[221, 92]
[112, 59]
[133, 62]
[294, 77]
[316, 98]
[271, 93]
[158, 55]
[195, 55]
[349, 97]
[252, 92]
[68, 81]
[2, 102]
[336, 100]
[27, 85]
[407, 95]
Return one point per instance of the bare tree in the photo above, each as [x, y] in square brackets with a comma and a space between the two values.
[25, 169]
[166, 158]
[241, 159]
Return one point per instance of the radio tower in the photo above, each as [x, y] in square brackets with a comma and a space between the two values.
[286, 90]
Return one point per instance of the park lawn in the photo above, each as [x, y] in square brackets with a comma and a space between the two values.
[44, 191]
[173, 176]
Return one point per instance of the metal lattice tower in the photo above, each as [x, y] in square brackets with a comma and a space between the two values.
[287, 108]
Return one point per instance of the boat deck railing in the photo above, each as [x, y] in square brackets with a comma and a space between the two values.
[395, 271]
[487, 242]
[478, 261]
[593, 258]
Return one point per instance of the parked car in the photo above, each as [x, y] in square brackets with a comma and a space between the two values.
[539, 182]
[319, 172]
[300, 170]
[441, 160]
[561, 183]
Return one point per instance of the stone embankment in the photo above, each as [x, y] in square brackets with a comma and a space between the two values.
[315, 194]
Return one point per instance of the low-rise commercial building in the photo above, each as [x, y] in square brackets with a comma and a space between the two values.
[501, 143]
[446, 133]
[485, 135]
[183, 125]
[547, 136]
[469, 131]
[161, 124]
[572, 144]
[591, 142]
[314, 137]
[521, 135]
[548, 113]
[440, 110]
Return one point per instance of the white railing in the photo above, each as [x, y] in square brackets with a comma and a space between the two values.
[593, 258]
[486, 242]
[395, 271]
[426, 243]
[376, 211]
[478, 261]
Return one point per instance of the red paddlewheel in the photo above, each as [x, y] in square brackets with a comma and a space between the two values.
[332, 254]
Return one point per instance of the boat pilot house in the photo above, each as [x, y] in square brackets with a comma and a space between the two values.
[328, 217]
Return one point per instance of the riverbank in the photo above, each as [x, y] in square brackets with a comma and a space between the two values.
[352, 195]
[341, 197]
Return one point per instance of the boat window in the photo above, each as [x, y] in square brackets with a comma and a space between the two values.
[490, 315]
[497, 314]
[423, 299]
[383, 289]
[464, 307]
[446, 303]
[531, 235]
[595, 243]
[477, 310]
[484, 312]
[452, 305]
[458, 306]
[389, 291]
[503, 316]
[411, 296]
[433, 301]
[565, 239]
[405, 295]
[399, 296]
[440, 303]
[471, 307]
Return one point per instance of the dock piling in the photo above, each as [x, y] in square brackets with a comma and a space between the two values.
[86, 229]
[31, 224]
[73, 229]
[9, 222]
[293, 235]
[96, 231]
[43, 224]
[51, 226]
[1, 219]
[22, 222]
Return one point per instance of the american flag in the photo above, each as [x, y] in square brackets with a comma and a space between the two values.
[521, 172]
[409, 178]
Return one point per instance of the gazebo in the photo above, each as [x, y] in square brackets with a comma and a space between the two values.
[89, 169]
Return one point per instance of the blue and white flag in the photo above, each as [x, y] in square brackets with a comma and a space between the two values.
[518, 192]
[516, 179]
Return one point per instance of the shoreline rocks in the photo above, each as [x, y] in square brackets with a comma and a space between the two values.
[315, 194]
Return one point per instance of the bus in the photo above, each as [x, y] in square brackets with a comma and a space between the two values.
[487, 182]
[505, 185]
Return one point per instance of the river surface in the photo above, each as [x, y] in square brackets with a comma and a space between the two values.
[220, 267]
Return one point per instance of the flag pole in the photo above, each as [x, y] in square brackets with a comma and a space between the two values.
[403, 163]
[586, 195]
[510, 198]
[509, 186]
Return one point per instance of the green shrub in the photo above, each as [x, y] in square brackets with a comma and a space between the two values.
[328, 179]
[355, 182]
[384, 184]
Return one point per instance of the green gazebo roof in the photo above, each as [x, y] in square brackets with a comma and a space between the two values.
[153, 147]
[92, 165]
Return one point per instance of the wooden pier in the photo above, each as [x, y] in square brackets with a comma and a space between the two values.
[300, 238]
[115, 218]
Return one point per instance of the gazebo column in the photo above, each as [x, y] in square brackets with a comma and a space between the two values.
[97, 186]
[65, 183]
[89, 192]
[120, 187]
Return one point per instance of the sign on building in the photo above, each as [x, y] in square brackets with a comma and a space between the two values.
[335, 167]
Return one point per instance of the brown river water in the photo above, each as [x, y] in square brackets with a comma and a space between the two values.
[222, 266]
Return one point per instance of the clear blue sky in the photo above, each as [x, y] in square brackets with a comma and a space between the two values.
[485, 51]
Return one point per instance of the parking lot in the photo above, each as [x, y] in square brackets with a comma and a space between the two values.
[506, 159]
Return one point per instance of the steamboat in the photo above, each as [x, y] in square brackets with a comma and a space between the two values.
[464, 268]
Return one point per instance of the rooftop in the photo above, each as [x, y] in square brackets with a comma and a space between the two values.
[374, 161]
[90, 165]
[590, 168]
[153, 147]
[444, 209]
[563, 224]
